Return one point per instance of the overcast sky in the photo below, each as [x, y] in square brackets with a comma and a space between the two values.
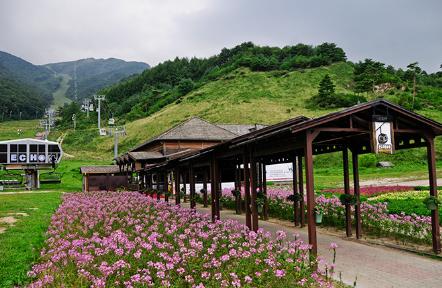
[395, 32]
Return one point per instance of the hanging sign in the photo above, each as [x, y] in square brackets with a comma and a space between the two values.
[382, 134]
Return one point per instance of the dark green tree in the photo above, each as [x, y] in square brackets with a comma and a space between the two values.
[369, 69]
[416, 69]
[326, 87]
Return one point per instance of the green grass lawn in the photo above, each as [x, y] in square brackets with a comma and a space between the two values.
[16, 254]
[8, 130]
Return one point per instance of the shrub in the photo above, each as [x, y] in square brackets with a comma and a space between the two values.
[367, 160]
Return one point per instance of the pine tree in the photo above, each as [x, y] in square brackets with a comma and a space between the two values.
[326, 87]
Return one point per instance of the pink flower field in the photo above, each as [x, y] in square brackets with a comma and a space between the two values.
[375, 217]
[124, 239]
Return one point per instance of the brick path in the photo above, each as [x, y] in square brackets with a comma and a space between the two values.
[374, 266]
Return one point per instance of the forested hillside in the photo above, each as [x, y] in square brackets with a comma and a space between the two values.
[95, 74]
[167, 82]
[16, 98]
[31, 77]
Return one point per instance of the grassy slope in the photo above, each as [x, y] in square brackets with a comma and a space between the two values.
[8, 130]
[59, 95]
[237, 98]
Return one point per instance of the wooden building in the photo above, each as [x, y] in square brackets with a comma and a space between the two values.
[189, 136]
[102, 177]
[354, 129]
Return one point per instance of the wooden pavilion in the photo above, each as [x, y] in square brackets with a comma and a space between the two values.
[297, 140]
[189, 136]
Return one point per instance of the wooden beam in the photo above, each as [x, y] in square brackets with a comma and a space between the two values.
[338, 129]
[285, 148]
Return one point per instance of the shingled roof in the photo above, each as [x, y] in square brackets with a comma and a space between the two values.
[100, 169]
[194, 128]
[241, 129]
[145, 155]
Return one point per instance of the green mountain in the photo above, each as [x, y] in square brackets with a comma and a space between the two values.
[95, 74]
[28, 88]
[251, 84]
[33, 78]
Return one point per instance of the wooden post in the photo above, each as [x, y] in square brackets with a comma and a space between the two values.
[357, 191]
[205, 186]
[308, 152]
[212, 189]
[185, 186]
[253, 186]
[236, 187]
[247, 189]
[192, 185]
[217, 173]
[295, 191]
[301, 191]
[264, 181]
[177, 184]
[347, 192]
[158, 185]
[260, 183]
[435, 229]
[172, 184]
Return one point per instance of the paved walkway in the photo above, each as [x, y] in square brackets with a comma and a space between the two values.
[416, 183]
[370, 265]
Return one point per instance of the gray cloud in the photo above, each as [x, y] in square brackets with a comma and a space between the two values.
[396, 32]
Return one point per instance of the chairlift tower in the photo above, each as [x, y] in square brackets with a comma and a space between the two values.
[99, 98]
[87, 103]
[116, 130]
[44, 125]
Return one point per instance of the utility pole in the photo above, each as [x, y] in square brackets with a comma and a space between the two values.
[99, 98]
[116, 130]
[73, 118]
